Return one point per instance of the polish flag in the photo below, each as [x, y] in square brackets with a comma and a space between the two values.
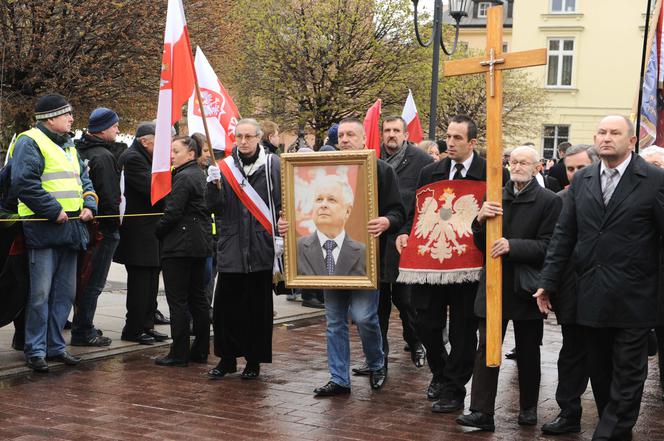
[372, 128]
[220, 110]
[178, 80]
[412, 118]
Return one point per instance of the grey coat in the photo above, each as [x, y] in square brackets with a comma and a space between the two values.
[311, 262]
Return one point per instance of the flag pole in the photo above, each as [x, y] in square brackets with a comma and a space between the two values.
[205, 125]
[648, 36]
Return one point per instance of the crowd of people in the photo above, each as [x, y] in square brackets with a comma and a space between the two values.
[581, 237]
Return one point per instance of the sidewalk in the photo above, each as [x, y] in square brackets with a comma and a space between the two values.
[110, 319]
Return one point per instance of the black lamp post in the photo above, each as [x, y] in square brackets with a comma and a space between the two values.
[457, 9]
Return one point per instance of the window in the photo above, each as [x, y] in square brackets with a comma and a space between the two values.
[563, 6]
[561, 59]
[551, 137]
[482, 8]
[505, 47]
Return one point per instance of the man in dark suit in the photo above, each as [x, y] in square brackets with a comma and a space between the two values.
[450, 371]
[611, 225]
[558, 169]
[333, 202]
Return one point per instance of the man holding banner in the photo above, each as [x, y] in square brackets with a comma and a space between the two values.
[247, 202]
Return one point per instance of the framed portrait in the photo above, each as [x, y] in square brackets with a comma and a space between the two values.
[328, 199]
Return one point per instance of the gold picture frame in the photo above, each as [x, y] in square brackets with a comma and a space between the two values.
[305, 179]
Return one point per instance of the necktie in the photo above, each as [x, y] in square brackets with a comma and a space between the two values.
[329, 245]
[610, 183]
[457, 173]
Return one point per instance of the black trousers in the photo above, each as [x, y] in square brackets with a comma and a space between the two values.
[485, 379]
[142, 288]
[618, 369]
[243, 317]
[399, 294]
[659, 331]
[431, 303]
[572, 371]
[185, 293]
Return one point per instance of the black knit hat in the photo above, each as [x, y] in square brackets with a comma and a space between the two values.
[145, 128]
[101, 119]
[50, 106]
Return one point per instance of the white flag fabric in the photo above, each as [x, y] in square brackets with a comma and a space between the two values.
[220, 110]
[412, 119]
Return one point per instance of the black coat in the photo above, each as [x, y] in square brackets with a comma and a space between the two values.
[559, 172]
[104, 174]
[407, 172]
[564, 299]
[528, 222]
[243, 244]
[185, 229]
[615, 249]
[389, 205]
[139, 245]
[551, 183]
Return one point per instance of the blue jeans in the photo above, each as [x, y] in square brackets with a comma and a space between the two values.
[102, 255]
[363, 308]
[52, 292]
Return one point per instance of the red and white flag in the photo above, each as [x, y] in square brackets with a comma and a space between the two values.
[372, 128]
[177, 83]
[412, 118]
[220, 110]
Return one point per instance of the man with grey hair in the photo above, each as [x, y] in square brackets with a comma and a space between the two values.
[529, 213]
[654, 155]
[572, 359]
[611, 227]
[332, 202]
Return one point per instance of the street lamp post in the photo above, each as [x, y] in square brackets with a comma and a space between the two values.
[457, 10]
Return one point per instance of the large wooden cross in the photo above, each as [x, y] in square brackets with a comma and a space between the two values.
[493, 64]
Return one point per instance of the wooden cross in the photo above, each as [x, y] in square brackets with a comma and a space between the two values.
[493, 67]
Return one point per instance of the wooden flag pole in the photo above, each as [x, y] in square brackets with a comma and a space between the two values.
[205, 124]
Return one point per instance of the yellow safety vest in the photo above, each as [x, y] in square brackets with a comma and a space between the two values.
[61, 176]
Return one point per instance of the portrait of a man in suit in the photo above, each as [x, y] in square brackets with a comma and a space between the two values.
[329, 250]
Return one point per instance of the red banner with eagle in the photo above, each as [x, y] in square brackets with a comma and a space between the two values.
[441, 249]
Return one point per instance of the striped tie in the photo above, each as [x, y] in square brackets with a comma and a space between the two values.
[329, 245]
[610, 183]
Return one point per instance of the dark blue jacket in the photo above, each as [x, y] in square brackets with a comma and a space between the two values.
[27, 168]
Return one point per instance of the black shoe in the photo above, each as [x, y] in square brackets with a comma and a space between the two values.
[65, 358]
[37, 364]
[251, 371]
[562, 425]
[418, 355]
[434, 390]
[447, 405]
[406, 348]
[169, 361]
[528, 417]
[97, 341]
[198, 359]
[18, 342]
[158, 336]
[221, 370]
[362, 370]
[378, 377]
[331, 389]
[511, 355]
[67, 324]
[478, 420]
[143, 339]
[161, 319]
[313, 303]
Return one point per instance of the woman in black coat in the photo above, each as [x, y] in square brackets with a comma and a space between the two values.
[184, 231]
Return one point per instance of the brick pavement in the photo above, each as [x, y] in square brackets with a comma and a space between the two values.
[129, 398]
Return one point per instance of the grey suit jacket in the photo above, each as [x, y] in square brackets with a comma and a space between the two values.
[311, 262]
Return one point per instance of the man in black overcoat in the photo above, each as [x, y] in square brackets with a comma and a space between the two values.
[572, 359]
[450, 372]
[611, 227]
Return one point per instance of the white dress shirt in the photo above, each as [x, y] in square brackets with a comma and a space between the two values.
[339, 240]
[466, 166]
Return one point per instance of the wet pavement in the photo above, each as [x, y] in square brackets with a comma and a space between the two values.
[127, 397]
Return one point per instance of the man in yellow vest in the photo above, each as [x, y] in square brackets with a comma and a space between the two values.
[52, 184]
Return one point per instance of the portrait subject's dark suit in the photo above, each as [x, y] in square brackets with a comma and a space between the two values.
[311, 260]
[616, 250]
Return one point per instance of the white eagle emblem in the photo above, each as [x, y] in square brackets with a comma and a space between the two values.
[441, 225]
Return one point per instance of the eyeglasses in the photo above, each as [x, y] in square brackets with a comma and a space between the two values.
[521, 163]
[241, 137]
